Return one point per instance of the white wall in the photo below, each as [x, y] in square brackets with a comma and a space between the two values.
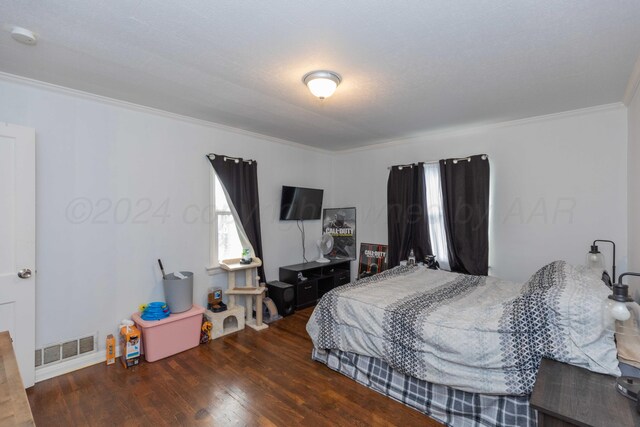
[92, 156]
[557, 183]
[633, 112]
[104, 156]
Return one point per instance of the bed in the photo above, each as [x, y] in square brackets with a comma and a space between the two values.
[462, 349]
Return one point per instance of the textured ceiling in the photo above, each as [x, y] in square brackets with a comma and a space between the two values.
[408, 66]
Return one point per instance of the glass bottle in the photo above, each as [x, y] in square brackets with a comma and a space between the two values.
[412, 258]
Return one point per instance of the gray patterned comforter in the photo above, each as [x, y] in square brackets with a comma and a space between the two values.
[472, 333]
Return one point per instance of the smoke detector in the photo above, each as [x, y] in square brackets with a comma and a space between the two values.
[24, 36]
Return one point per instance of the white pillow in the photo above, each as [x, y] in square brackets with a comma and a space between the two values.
[575, 301]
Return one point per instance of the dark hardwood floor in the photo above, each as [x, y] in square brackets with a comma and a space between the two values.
[248, 378]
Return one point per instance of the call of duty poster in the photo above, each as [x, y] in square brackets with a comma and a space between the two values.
[373, 259]
[341, 224]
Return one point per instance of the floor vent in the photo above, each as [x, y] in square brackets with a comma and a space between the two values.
[87, 344]
[56, 353]
[69, 349]
[51, 354]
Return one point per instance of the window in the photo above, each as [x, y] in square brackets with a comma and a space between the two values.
[435, 213]
[226, 236]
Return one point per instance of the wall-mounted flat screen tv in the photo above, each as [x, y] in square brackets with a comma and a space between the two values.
[299, 203]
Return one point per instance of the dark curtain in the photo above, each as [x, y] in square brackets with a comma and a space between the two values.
[407, 214]
[240, 180]
[465, 194]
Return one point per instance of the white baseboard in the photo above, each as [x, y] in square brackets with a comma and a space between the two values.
[48, 372]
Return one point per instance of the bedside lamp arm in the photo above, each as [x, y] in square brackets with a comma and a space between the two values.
[620, 291]
[613, 267]
[627, 274]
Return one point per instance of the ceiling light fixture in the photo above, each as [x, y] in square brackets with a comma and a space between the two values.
[24, 36]
[322, 83]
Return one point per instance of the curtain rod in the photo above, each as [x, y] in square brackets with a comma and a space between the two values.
[235, 159]
[410, 165]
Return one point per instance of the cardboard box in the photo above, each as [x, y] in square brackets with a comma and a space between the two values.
[111, 350]
[130, 345]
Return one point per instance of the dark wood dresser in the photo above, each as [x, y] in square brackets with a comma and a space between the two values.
[565, 395]
[320, 278]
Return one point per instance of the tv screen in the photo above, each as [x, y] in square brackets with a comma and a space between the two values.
[300, 203]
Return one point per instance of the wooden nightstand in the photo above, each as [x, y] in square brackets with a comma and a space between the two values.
[565, 395]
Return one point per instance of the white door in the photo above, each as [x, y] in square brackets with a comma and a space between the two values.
[18, 243]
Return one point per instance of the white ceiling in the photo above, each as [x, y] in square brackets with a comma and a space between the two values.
[408, 66]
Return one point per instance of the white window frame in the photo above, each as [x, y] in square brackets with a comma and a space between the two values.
[214, 261]
[436, 225]
[213, 224]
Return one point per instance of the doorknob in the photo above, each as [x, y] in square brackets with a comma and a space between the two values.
[25, 273]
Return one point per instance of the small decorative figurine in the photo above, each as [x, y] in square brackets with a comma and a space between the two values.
[205, 332]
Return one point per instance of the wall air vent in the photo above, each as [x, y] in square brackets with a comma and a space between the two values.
[60, 352]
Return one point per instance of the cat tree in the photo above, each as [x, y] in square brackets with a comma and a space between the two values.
[252, 294]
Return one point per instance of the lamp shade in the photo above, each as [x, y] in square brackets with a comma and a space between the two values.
[619, 310]
[322, 83]
[595, 259]
[618, 305]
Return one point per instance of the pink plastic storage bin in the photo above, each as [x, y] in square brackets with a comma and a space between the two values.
[166, 337]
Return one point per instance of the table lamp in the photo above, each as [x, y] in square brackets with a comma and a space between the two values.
[596, 260]
[617, 315]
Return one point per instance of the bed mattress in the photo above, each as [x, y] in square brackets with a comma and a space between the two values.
[471, 333]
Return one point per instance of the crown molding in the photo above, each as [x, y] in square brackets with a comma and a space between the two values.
[632, 87]
[477, 128]
[13, 78]
[632, 84]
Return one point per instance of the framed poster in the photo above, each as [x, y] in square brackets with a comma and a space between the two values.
[373, 259]
[340, 223]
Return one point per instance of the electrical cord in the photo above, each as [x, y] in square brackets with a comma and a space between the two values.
[304, 257]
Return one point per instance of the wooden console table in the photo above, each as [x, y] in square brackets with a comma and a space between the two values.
[14, 405]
